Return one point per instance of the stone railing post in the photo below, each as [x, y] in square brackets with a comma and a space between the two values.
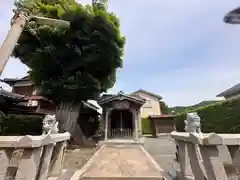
[193, 125]
[213, 164]
[58, 158]
[36, 157]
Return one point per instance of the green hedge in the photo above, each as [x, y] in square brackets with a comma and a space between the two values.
[146, 126]
[221, 117]
[11, 125]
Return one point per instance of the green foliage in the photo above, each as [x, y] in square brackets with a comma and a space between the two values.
[221, 117]
[164, 107]
[20, 125]
[181, 109]
[73, 64]
[146, 126]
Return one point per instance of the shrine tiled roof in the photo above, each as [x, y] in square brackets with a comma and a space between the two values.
[121, 96]
[105, 96]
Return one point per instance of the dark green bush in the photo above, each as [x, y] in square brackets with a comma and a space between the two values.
[14, 125]
[221, 117]
[146, 126]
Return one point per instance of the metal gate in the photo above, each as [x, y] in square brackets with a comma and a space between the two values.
[121, 129]
[121, 133]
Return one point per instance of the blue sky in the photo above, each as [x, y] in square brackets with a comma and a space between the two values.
[179, 49]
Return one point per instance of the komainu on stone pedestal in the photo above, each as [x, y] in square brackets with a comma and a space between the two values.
[50, 124]
[192, 123]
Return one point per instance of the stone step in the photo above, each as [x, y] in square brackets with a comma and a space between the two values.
[122, 141]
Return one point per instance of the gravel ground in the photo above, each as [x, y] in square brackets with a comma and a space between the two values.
[163, 151]
[75, 159]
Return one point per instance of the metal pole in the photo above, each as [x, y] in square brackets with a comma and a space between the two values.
[17, 25]
[18, 22]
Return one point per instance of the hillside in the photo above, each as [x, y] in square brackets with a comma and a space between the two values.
[179, 109]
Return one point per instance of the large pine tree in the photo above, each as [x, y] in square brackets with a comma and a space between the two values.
[74, 64]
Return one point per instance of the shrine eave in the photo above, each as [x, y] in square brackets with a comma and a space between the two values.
[121, 97]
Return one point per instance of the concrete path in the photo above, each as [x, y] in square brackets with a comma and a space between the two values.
[121, 162]
[163, 151]
[129, 161]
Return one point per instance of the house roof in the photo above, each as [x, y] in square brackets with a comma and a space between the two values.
[95, 104]
[91, 106]
[121, 96]
[147, 92]
[231, 91]
[25, 78]
[11, 95]
[12, 81]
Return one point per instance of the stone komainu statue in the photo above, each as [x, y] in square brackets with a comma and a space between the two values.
[50, 124]
[192, 123]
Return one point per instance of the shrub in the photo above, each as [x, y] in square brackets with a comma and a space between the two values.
[146, 126]
[14, 125]
[220, 117]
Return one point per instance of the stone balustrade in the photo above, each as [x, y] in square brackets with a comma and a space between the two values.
[32, 157]
[208, 156]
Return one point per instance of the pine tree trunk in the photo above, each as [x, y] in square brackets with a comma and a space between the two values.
[67, 115]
